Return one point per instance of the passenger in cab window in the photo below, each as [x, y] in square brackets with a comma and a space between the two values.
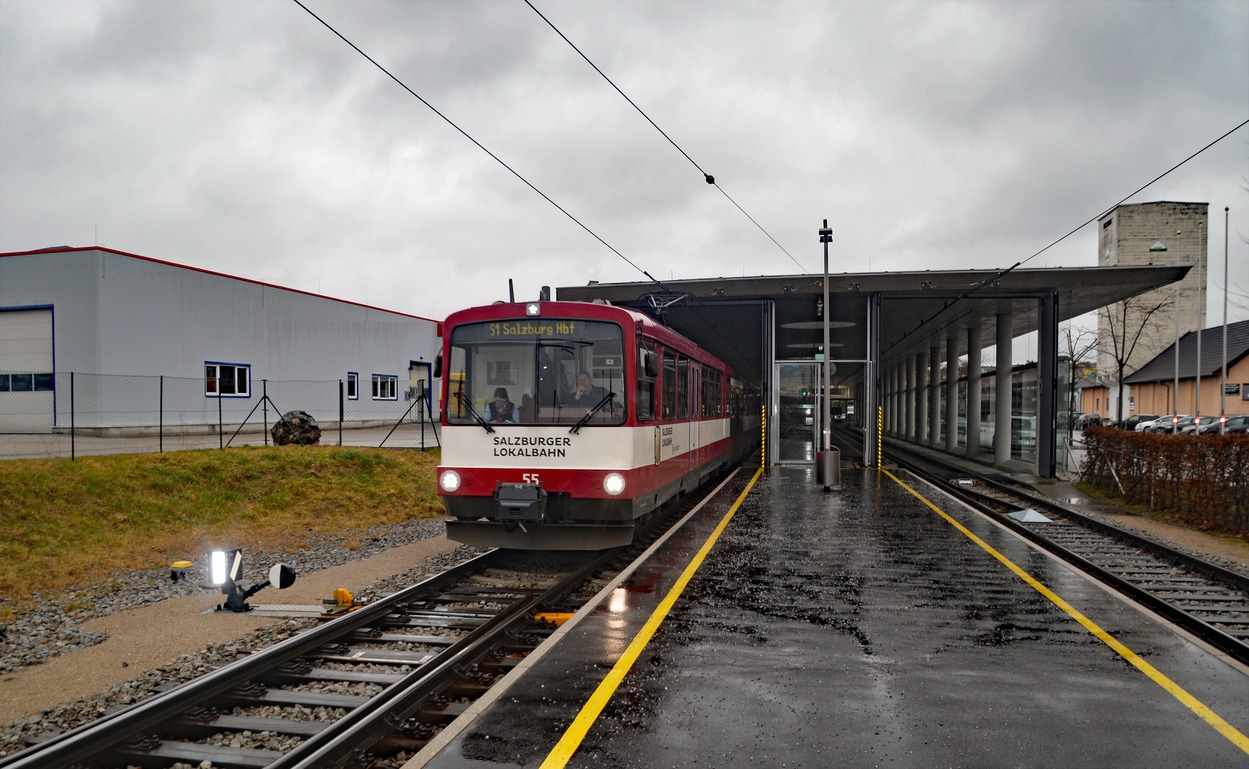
[501, 409]
[587, 393]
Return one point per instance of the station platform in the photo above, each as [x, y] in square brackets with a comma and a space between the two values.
[879, 624]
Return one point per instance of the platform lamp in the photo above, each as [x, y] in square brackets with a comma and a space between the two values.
[825, 458]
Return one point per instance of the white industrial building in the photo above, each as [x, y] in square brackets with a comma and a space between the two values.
[148, 340]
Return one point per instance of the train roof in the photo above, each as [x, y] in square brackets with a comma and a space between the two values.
[597, 310]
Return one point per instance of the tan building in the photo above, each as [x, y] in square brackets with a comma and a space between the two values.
[1136, 235]
[1153, 385]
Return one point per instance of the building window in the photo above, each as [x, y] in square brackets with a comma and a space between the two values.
[227, 380]
[385, 387]
[18, 383]
[353, 386]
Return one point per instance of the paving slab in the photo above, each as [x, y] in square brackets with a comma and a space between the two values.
[862, 627]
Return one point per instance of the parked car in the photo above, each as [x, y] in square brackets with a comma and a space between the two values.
[1163, 424]
[1147, 426]
[1173, 423]
[1132, 422]
[1085, 421]
[1242, 428]
[1196, 424]
[1213, 425]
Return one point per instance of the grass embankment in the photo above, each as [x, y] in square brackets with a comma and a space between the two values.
[71, 523]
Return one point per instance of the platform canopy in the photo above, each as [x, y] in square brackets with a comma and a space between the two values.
[727, 316]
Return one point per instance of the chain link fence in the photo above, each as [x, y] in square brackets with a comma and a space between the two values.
[72, 414]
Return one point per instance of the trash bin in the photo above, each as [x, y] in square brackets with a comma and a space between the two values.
[828, 468]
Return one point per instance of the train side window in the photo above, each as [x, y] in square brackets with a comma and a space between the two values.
[683, 387]
[669, 385]
[712, 390]
[646, 371]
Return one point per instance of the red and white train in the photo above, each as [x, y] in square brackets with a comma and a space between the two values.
[564, 423]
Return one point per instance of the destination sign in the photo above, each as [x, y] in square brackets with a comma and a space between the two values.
[533, 328]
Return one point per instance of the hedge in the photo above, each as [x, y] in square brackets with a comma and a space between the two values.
[1200, 479]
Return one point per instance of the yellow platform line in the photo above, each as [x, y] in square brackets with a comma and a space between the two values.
[580, 726]
[1175, 690]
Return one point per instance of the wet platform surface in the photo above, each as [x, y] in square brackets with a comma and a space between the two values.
[860, 628]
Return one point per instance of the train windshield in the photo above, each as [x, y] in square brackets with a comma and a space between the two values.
[536, 371]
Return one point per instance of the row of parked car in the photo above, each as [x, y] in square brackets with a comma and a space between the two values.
[1185, 424]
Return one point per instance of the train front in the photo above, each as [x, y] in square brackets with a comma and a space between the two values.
[536, 444]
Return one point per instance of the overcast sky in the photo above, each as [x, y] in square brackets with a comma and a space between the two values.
[245, 137]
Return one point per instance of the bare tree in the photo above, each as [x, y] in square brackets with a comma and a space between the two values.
[1124, 325]
[1079, 343]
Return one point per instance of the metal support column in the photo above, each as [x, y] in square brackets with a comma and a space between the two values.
[951, 391]
[1002, 382]
[1047, 390]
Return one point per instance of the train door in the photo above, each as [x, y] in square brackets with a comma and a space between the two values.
[796, 411]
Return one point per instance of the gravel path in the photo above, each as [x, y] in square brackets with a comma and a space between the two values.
[112, 644]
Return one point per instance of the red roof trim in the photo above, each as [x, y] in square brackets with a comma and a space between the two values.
[68, 249]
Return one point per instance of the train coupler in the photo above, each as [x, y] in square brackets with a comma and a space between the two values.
[520, 503]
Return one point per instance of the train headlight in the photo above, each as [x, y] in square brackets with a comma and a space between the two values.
[614, 484]
[449, 481]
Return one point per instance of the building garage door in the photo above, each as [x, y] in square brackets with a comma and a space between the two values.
[27, 383]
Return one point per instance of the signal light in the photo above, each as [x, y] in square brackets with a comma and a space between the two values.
[226, 569]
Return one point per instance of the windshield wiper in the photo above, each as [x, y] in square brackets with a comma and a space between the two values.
[590, 414]
[468, 404]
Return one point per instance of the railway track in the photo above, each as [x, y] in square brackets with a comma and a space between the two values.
[1203, 598]
[365, 689]
[368, 688]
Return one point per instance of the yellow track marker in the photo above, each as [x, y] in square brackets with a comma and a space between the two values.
[580, 726]
[1175, 690]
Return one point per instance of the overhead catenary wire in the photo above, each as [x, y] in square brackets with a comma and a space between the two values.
[1123, 200]
[479, 145]
[706, 176]
[1002, 273]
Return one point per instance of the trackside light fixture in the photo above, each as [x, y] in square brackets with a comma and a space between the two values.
[225, 566]
[225, 571]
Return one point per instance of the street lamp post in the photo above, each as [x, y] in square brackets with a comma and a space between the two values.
[826, 458]
[1223, 368]
[1175, 412]
[1201, 316]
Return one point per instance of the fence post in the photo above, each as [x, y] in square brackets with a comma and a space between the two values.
[72, 420]
[341, 413]
[264, 391]
[160, 419]
[220, 424]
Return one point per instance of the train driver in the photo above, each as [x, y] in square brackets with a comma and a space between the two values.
[501, 409]
[587, 393]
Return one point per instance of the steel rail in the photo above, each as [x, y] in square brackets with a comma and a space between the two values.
[90, 740]
[368, 724]
[1216, 637]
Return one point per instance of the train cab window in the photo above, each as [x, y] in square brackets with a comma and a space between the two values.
[538, 362]
[669, 385]
[646, 370]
